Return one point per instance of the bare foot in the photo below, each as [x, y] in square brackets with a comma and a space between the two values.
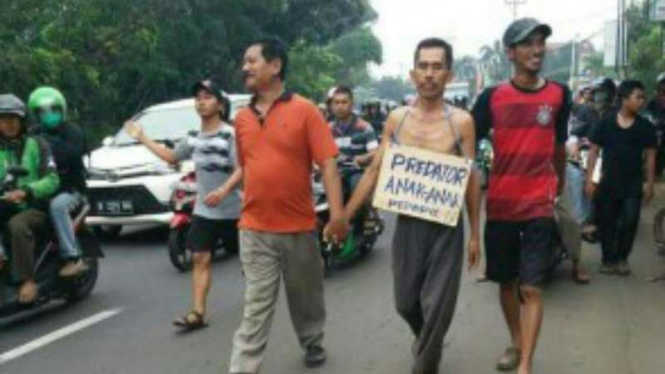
[580, 276]
[522, 370]
[28, 292]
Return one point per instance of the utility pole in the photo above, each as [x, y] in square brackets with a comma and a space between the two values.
[514, 4]
[574, 72]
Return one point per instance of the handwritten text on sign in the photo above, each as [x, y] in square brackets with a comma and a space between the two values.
[422, 184]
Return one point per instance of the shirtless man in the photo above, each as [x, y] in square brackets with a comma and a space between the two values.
[428, 257]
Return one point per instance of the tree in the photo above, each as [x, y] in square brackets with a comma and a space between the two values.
[113, 57]
[312, 70]
[494, 64]
[357, 49]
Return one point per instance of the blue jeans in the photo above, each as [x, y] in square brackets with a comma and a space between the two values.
[575, 181]
[62, 207]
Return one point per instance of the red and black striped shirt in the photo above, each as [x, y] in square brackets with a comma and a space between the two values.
[526, 127]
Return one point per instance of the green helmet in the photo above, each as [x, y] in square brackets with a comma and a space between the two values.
[48, 98]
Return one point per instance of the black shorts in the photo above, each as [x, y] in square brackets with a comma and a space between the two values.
[204, 234]
[519, 250]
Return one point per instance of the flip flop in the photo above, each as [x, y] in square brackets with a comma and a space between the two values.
[509, 360]
[191, 321]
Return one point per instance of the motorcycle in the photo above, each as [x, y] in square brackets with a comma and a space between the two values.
[366, 227]
[182, 202]
[48, 263]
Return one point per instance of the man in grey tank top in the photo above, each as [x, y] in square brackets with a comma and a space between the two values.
[428, 256]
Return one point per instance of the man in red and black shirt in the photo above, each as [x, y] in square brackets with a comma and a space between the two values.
[528, 116]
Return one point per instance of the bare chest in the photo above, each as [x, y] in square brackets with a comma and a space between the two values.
[435, 135]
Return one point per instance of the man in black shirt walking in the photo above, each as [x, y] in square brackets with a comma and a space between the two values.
[624, 138]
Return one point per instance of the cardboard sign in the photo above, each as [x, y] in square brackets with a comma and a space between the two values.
[422, 184]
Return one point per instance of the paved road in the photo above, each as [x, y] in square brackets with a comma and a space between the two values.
[614, 326]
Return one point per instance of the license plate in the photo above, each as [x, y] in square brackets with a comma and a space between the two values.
[115, 208]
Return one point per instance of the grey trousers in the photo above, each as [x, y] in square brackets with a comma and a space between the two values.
[265, 258]
[570, 230]
[427, 266]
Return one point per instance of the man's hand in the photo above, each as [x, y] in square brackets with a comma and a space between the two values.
[16, 196]
[574, 151]
[590, 189]
[134, 129]
[336, 230]
[214, 198]
[474, 253]
[649, 194]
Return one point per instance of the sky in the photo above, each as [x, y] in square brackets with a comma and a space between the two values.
[470, 24]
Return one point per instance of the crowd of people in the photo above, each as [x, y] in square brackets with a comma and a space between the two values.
[547, 188]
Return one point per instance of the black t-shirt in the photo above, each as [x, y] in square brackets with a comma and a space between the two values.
[623, 154]
[69, 146]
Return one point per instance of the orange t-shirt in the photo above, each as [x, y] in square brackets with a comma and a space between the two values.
[276, 155]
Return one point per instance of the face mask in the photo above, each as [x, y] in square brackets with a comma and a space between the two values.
[51, 120]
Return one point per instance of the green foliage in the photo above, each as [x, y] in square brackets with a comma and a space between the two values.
[357, 48]
[312, 69]
[112, 58]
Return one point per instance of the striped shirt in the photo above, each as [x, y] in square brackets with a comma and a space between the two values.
[527, 126]
[215, 159]
[354, 139]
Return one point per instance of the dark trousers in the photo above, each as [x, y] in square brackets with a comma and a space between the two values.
[427, 267]
[23, 230]
[619, 220]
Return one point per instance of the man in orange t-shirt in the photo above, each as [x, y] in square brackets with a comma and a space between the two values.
[279, 137]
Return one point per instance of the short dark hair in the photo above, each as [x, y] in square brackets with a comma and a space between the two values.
[274, 48]
[435, 43]
[627, 87]
[344, 90]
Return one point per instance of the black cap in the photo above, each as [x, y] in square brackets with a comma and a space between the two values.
[210, 86]
[520, 30]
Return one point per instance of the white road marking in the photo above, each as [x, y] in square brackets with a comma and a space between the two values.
[56, 335]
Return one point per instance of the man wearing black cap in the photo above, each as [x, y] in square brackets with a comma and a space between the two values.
[529, 118]
[217, 175]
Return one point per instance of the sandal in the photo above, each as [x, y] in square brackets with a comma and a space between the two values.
[509, 360]
[191, 321]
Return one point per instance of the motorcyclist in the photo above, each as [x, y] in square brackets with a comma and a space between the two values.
[356, 139]
[375, 116]
[23, 211]
[357, 142]
[68, 144]
[603, 93]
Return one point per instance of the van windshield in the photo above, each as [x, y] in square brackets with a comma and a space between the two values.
[164, 125]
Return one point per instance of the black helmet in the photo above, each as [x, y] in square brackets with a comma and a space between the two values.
[604, 84]
[10, 104]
